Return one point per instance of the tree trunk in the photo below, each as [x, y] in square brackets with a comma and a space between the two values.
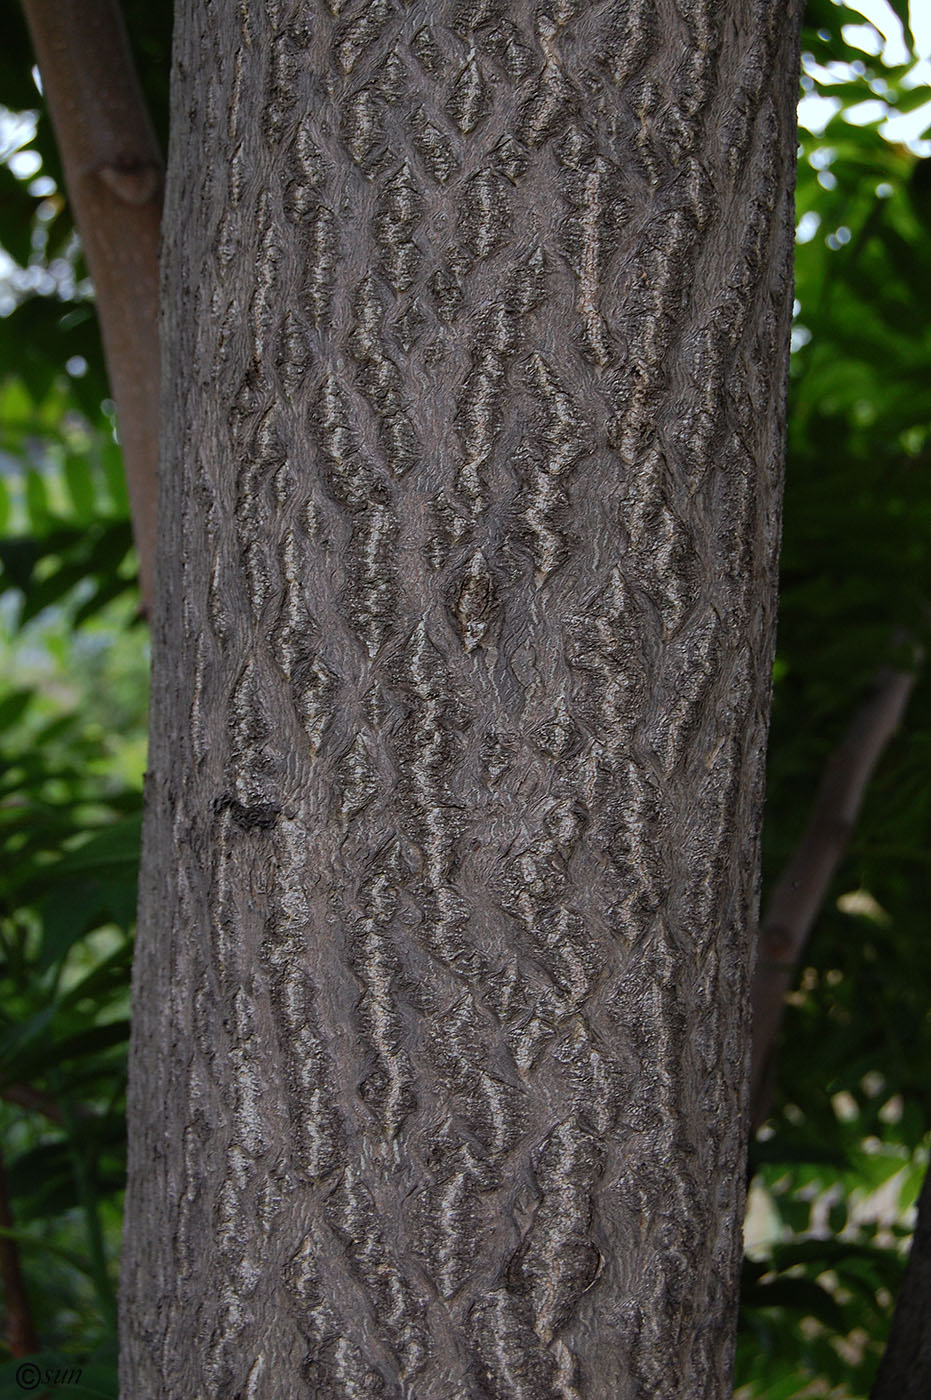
[905, 1370]
[475, 325]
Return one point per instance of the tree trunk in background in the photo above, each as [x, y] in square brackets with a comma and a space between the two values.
[476, 322]
[905, 1370]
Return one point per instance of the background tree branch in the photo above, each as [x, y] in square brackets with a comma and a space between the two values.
[802, 887]
[20, 1326]
[114, 177]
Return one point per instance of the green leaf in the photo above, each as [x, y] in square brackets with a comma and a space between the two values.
[115, 846]
[901, 8]
[799, 1295]
[30, 1242]
[17, 209]
[108, 977]
[17, 560]
[78, 474]
[96, 1038]
[76, 907]
[111, 457]
[37, 500]
[17, 1042]
[911, 99]
[104, 593]
[13, 706]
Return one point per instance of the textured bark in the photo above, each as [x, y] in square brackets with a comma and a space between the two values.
[475, 322]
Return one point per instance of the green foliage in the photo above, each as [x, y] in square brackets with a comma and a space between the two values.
[843, 1155]
[69, 835]
[73, 658]
[840, 1163]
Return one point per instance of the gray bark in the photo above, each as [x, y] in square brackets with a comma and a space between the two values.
[475, 323]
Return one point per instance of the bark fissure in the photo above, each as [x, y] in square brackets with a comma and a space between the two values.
[472, 475]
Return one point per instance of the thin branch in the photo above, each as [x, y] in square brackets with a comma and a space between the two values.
[20, 1326]
[24, 1096]
[804, 883]
[114, 177]
[33, 1099]
[905, 1370]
